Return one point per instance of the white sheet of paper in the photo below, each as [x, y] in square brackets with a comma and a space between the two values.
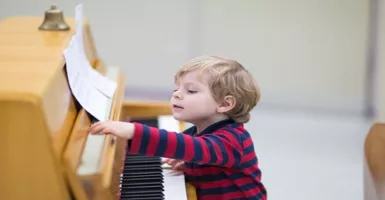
[102, 83]
[79, 27]
[91, 99]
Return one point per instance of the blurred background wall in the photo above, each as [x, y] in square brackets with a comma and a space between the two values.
[304, 54]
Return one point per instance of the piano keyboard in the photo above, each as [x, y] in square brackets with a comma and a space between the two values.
[144, 178]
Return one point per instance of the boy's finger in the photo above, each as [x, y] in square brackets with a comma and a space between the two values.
[95, 124]
[94, 129]
[179, 166]
[97, 128]
[106, 130]
[169, 160]
[172, 162]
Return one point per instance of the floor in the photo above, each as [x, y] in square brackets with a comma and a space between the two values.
[309, 156]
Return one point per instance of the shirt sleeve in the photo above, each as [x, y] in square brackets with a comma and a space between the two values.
[221, 148]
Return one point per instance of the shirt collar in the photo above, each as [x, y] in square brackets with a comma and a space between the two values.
[211, 128]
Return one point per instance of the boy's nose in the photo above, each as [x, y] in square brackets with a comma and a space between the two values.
[177, 95]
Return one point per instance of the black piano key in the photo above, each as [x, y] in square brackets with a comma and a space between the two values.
[140, 195]
[144, 184]
[141, 159]
[132, 179]
[129, 176]
[146, 164]
[146, 198]
[135, 156]
[148, 186]
[139, 179]
[150, 197]
[136, 178]
[144, 169]
[132, 190]
[148, 179]
[143, 191]
[157, 183]
[143, 196]
[137, 188]
[143, 173]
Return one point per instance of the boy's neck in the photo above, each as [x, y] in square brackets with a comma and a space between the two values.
[202, 125]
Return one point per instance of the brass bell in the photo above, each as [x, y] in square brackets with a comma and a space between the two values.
[54, 20]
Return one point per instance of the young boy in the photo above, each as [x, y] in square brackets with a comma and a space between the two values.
[216, 95]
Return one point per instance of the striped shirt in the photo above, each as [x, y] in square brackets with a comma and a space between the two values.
[220, 161]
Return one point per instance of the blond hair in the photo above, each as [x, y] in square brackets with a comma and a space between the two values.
[227, 77]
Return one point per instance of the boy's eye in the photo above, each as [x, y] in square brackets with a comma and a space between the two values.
[191, 91]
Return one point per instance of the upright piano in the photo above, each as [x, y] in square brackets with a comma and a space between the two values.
[45, 149]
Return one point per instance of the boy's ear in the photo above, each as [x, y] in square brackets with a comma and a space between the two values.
[227, 104]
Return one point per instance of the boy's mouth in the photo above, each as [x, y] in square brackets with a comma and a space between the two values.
[176, 106]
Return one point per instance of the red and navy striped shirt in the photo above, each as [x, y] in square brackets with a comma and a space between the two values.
[220, 161]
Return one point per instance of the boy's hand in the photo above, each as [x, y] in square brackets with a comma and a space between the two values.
[176, 165]
[119, 129]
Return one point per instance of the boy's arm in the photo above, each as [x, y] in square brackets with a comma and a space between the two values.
[224, 148]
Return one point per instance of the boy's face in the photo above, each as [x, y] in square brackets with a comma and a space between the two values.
[192, 100]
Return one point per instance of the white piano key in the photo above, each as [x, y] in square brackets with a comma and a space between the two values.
[174, 186]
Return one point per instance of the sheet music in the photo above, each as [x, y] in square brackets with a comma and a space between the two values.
[91, 99]
[102, 83]
[79, 27]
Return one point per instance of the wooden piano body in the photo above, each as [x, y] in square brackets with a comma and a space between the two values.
[45, 150]
[374, 163]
